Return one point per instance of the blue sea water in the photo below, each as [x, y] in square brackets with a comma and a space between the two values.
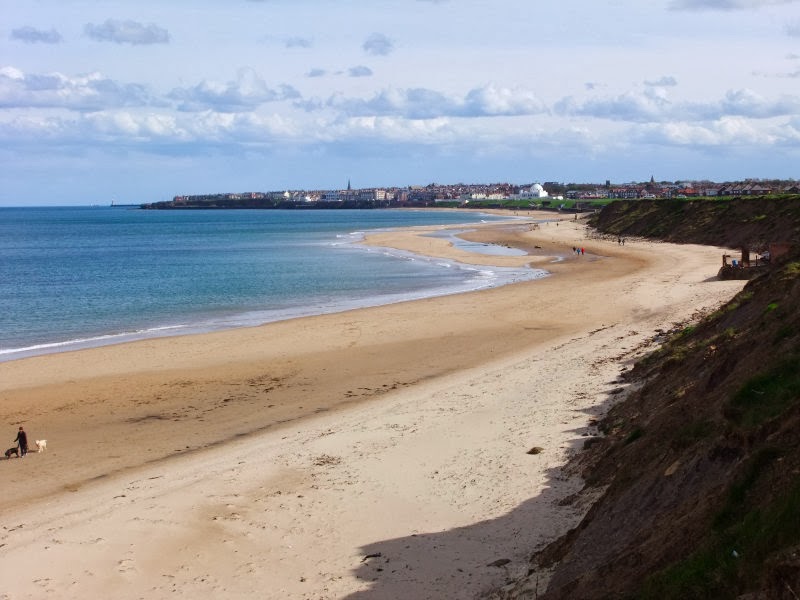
[72, 277]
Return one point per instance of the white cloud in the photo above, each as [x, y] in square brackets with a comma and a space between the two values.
[389, 130]
[665, 81]
[644, 106]
[378, 44]
[653, 106]
[416, 103]
[728, 131]
[245, 94]
[423, 103]
[298, 42]
[359, 71]
[492, 100]
[793, 130]
[127, 32]
[91, 92]
[31, 35]
[747, 103]
[149, 131]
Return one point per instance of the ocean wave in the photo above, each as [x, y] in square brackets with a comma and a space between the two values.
[97, 340]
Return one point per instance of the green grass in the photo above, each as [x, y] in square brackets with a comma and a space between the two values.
[744, 536]
[767, 395]
[634, 435]
[791, 271]
[757, 465]
[699, 576]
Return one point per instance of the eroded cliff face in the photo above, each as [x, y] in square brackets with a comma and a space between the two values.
[728, 222]
[700, 465]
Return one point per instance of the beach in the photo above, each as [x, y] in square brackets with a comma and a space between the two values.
[384, 452]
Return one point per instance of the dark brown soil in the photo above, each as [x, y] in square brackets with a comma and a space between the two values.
[702, 463]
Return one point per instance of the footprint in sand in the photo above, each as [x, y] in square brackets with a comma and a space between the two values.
[45, 583]
[126, 565]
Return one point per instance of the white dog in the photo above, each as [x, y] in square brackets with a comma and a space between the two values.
[41, 445]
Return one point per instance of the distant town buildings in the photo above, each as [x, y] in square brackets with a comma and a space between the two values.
[547, 194]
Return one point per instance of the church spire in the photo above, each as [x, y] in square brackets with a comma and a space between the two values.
[348, 184]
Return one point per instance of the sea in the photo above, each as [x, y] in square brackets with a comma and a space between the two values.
[78, 277]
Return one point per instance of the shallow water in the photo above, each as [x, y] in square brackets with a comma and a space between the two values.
[87, 276]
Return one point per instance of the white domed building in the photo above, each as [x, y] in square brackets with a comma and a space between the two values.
[535, 192]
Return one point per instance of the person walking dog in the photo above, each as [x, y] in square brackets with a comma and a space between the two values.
[22, 441]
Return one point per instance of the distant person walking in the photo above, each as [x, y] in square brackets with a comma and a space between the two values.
[22, 441]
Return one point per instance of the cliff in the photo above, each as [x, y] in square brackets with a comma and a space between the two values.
[699, 468]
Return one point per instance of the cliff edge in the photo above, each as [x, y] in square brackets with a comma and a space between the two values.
[699, 468]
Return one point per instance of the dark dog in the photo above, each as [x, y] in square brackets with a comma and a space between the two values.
[11, 451]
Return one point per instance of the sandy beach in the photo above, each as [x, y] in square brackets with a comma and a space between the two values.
[379, 453]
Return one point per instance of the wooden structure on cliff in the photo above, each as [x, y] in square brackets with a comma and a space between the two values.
[751, 263]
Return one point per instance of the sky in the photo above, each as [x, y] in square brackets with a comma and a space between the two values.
[141, 101]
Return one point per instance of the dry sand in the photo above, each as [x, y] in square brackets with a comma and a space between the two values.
[375, 453]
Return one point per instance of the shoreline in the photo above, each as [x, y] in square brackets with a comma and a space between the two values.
[254, 318]
[300, 447]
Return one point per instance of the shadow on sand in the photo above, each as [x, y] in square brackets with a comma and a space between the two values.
[466, 562]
